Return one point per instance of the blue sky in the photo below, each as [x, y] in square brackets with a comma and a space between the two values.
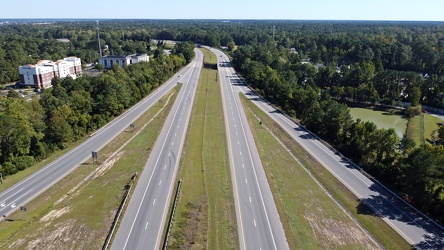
[424, 10]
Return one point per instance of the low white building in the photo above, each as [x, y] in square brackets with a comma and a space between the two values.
[41, 74]
[109, 61]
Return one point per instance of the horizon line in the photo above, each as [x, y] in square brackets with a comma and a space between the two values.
[214, 19]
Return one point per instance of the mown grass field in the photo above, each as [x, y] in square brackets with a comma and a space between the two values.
[72, 216]
[430, 128]
[205, 216]
[310, 218]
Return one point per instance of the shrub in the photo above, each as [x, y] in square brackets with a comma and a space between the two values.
[412, 111]
[9, 168]
[23, 162]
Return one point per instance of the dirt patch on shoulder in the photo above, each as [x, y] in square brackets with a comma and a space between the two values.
[16, 244]
[335, 234]
[108, 164]
[55, 214]
[65, 235]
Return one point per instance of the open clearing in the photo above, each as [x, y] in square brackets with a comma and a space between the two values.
[409, 126]
[205, 217]
[430, 131]
[311, 219]
[77, 212]
[431, 126]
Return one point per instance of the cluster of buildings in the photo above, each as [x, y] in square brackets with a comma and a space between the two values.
[40, 75]
[108, 61]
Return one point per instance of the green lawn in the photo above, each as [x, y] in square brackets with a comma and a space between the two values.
[205, 216]
[310, 218]
[72, 216]
[430, 128]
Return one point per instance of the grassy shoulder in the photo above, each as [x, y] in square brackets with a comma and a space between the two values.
[205, 216]
[77, 213]
[311, 219]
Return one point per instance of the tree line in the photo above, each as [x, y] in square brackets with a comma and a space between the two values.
[366, 61]
[22, 44]
[299, 89]
[303, 67]
[31, 130]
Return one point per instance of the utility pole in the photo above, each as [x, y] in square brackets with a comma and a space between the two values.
[273, 31]
[98, 39]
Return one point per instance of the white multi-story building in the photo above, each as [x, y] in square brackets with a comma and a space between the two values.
[41, 74]
[108, 61]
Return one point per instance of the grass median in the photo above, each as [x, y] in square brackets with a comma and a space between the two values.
[310, 218]
[76, 213]
[205, 216]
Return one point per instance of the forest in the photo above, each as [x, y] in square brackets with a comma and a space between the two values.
[309, 93]
[304, 67]
[33, 129]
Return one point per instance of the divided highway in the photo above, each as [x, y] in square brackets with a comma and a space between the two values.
[27, 189]
[258, 221]
[417, 229]
[144, 220]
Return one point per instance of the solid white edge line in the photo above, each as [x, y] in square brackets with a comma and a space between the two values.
[155, 166]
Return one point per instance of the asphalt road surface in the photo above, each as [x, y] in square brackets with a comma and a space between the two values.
[258, 221]
[144, 220]
[417, 229]
[18, 195]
